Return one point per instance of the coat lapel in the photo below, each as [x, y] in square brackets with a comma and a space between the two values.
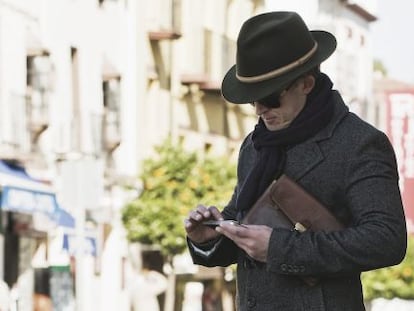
[304, 157]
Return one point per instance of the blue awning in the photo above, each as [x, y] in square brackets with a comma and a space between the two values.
[22, 193]
[25, 200]
[64, 219]
[14, 170]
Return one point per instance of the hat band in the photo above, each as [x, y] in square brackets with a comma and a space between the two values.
[279, 71]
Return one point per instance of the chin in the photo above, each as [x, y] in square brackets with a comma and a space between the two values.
[276, 127]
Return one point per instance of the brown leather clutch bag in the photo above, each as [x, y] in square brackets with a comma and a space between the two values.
[285, 204]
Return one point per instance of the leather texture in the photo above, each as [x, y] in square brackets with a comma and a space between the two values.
[285, 204]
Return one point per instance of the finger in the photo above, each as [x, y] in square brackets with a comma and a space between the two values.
[215, 213]
[235, 227]
[204, 211]
[187, 223]
[195, 216]
[233, 231]
[256, 227]
[234, 235]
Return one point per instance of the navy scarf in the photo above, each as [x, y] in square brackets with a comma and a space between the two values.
[271, 145]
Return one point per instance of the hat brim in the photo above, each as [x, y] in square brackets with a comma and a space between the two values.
[238, 92]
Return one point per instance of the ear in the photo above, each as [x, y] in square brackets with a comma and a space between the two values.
[308, 84]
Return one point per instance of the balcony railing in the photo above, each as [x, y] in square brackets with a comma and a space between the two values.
[111, 133]
[37, 109]
[164, 19]
[216, 57]
[106, 134]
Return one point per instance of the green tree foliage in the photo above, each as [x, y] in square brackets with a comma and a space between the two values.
[392, 282]
[379, 66]
[174, 182]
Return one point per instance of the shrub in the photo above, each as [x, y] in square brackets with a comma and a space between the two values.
[392, 282]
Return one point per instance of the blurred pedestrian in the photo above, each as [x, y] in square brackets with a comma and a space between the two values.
[4, 296]
[145, 287]
[211, 298]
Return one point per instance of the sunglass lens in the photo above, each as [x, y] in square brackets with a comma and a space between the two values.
[271, 101]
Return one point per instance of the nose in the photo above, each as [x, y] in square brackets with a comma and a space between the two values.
[260, 109]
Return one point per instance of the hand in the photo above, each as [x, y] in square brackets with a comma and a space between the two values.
[196, 231]
[253, 239]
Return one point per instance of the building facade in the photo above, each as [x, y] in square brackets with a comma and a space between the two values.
[351, 66]
[88, 87]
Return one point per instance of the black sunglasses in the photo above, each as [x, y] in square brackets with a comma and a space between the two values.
[273, 100]
[270, 101]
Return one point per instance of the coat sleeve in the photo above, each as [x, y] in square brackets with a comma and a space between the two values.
[224, 252]
[376, 236]
[221, 252]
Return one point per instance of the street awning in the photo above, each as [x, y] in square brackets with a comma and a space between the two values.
[24, 200]
[24, 194]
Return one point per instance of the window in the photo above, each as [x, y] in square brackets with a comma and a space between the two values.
[38, 82]
[111, 118]
[102, 1]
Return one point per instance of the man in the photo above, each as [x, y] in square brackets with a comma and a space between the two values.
[306, 132]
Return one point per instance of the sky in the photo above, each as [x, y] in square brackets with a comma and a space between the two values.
[392, 40]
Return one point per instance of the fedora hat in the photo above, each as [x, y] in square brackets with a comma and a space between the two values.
[273, 49]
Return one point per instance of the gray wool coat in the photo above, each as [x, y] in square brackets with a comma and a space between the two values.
[349, 166]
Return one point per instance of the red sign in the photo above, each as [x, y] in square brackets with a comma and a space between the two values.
[400, 130]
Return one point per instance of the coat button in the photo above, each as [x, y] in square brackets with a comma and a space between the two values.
[251, 302]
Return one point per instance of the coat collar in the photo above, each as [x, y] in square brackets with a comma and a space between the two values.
[305, 156]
